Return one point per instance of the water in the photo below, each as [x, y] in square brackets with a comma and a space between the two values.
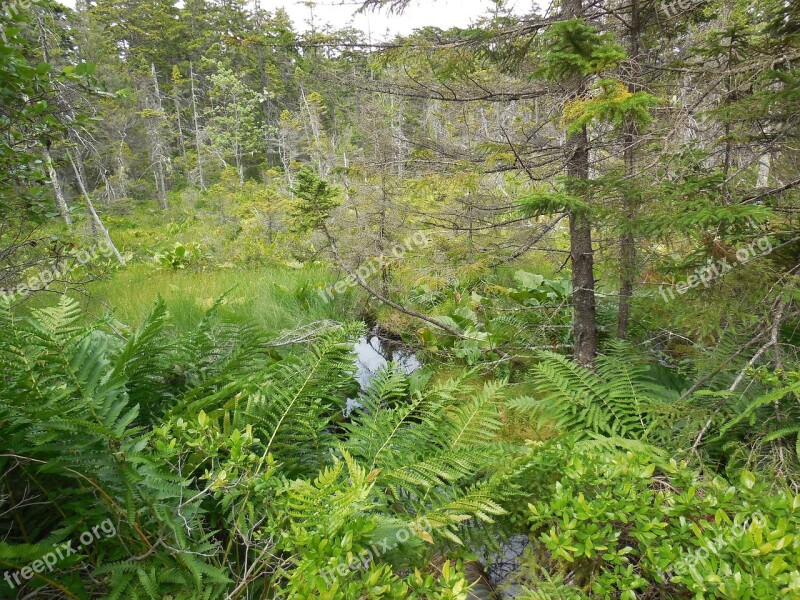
[373, 353]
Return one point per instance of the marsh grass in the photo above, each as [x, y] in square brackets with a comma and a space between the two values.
[275, 297]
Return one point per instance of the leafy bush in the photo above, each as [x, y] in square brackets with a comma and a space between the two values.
[624, 524]
[227, 466]
[181, 256]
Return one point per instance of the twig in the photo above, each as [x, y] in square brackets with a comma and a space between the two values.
[372, 292]
[773, 341]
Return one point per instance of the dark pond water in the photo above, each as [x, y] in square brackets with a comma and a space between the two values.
[373, 352]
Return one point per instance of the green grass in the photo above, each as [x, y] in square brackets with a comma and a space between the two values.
[275, 297]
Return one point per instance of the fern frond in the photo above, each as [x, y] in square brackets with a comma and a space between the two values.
[620, 399]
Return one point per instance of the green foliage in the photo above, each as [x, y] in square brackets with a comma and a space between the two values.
[68, 423]
[30, 120]
[228, 458]
[613, 104]
[620, 525]
[618, 399]
[181, 256]
[548, 203]
[315, 200]
[221, 459]
[768, 423]
[573, 47]
[233, 123]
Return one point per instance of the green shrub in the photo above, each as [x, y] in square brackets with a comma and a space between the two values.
[622, 524]
[181, 256]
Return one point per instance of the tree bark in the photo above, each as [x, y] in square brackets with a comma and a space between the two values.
[584, 326]
[61, 201]
[627, 244]
[763, 171]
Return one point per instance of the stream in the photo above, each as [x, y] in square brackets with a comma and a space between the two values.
[373, 352]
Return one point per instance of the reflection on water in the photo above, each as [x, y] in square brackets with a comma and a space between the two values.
[374, 352]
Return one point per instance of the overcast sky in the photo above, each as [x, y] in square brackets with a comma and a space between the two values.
[421, 13]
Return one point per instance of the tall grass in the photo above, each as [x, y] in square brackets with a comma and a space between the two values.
[273, 296]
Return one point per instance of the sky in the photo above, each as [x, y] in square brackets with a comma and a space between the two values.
[421, 13]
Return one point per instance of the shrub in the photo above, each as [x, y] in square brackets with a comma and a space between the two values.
[623, 524]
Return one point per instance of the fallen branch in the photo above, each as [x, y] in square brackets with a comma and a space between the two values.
[304, 333]
[375, 294]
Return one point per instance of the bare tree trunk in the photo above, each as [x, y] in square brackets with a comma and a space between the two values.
[179, 122]
[763, 170]
[157, 143]
[198, 145]
[122, 171]
[584, 326]
[61, 201]
[627, 244]
[97, 224]
[398, 135]
[315, 131]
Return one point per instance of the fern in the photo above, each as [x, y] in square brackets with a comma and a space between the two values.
[428, 453]
[206, 449]
[618, 400]
[71, 430]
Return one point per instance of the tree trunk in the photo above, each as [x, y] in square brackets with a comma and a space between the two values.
[198, 145]
[179, 123]
[157, 143]
[97, 224]
[584, 326]
[61, 201]
[763, 171]
[314, 123]
[122, 171]
[627, 243]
